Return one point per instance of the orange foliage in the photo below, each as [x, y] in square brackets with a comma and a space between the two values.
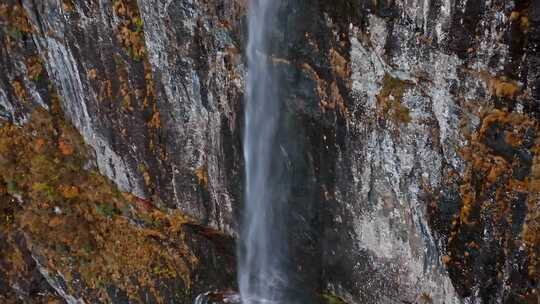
[202, 175]
[70, 225]
[66, 148]
[503, 88]
[34, 67]
[488, 173]
[19, 90]
[69, 191]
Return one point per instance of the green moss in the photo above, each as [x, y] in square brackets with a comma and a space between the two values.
[13, 32]
[400, 113]
[330, 298]
[44, 191]
[138, 23]
[43, 168]
[12, 188]
[88, 248]
[107, 210]
[61, 248]
[390, 97]
[393, 86]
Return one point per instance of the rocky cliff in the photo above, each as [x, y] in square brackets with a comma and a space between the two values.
[411, 128]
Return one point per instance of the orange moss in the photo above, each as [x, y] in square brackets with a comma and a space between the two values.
[65, 147]
[335, 101]
[68, 6]
[446, 259]
[16, 267]
[34, 67]
[522, 20]
[19, 90]
[150, 86]
[77, 221]
[69, 191]
[155, 122]
[320, 83]
[489, 185]
[329, 94]
[531, 236]
[524, 23]
[503, 88]
[340, 65]
[202, 175]
[15, 17]
[92, 74]
[531, 228]
[130, 30]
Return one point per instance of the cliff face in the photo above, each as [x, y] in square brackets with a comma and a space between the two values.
[427, 165]
[140, 111]
[411, 129]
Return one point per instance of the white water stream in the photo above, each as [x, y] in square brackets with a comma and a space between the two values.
[262, 248]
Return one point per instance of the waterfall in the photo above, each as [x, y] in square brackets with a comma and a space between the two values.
[262, 244]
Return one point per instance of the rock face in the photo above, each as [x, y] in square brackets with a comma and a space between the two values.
[411, 128]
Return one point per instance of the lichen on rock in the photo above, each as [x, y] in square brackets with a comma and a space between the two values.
[80, 228]
[410, 127]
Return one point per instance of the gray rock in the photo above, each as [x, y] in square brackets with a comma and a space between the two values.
[363, 163]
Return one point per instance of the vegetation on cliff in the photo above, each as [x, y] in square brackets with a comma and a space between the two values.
[76, 223]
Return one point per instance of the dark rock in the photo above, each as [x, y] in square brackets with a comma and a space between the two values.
[376, 203]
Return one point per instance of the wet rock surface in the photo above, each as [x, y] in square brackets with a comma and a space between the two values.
[410, 129]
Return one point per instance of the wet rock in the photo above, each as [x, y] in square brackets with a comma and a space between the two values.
[410, 129]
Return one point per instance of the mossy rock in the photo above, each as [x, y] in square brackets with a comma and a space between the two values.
[330, 298]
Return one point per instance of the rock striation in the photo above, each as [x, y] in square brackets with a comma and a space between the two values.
[411, 128]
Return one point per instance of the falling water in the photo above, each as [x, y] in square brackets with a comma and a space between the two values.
[262, 250]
